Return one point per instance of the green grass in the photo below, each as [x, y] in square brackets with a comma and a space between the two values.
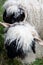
[38, 62]
[1, 28]
[4, 60]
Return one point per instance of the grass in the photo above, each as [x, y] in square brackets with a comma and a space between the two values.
[4, 60]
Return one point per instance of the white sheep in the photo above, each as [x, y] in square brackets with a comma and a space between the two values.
[33, 10]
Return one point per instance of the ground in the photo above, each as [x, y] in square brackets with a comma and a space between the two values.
[4, 60]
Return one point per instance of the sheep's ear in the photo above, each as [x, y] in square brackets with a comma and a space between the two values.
[4, 24]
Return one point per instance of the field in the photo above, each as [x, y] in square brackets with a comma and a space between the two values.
[4, 60]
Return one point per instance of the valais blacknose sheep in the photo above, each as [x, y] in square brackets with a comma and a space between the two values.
[25, 30]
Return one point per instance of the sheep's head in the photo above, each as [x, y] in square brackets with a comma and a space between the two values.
[20, 39]
[14, 12]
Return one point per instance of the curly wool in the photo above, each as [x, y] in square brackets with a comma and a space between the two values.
[34, 12]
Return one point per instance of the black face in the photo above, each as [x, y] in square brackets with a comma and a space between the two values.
[15, 17]
[12, 51]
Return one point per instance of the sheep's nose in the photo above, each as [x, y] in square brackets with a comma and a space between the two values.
[19, 15]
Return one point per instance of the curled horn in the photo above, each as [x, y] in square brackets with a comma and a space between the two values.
[4, 24]
[37, 38]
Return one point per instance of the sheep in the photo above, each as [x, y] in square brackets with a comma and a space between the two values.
[32, 13]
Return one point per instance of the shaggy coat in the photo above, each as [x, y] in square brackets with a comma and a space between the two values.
[33, 15]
